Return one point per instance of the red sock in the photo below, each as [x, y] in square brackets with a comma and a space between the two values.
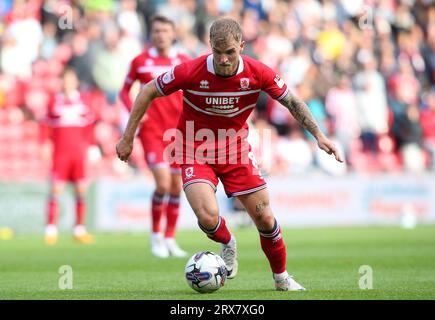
[157, 207]
[274, 248]
[80, 212]
[53, 211]
[220, 233]
[172, 212]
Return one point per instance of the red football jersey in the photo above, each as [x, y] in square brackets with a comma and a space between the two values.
[214, 102]
[165, 111]
[70, 119]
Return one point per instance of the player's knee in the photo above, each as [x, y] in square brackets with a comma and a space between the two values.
[176, 188]
[56, 190]
[162, 187]
[208, 222]
[207, 216]
[264, 221]
[80, 192]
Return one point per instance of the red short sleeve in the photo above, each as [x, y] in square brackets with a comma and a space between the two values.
[173, 80]
[131, 75]
[272, 84]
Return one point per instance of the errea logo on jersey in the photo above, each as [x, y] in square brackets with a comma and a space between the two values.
[203, 84]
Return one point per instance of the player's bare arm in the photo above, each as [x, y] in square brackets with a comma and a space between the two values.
[140, 106]
[303, 115]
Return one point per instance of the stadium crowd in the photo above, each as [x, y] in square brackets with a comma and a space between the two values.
[366, 69]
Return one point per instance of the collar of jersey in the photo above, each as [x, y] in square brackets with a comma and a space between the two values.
[154, 53]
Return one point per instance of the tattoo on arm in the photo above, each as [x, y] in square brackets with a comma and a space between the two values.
[260, 207]
[301, 113]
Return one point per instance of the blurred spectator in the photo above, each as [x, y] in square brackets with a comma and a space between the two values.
[49, 41]
[341, 105]
[5, 7]
[82, 60]
[21, 41]
[371, 98]
[130, 21]
[409, 138]
[110, 65]
[308, 42]
[295, 66]
[294, 154]
[403, 85]
[330, 41]
[427, 119]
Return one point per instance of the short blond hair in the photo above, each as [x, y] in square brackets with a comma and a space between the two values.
[222, 29]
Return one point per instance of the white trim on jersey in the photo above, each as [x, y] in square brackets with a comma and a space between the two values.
[222, 94]
[283, 95]
[210, 65]
[235, 194]
[188, 183]
[154, 69]
[217, 114]
[154, 53]
[159, 165]
[159, 89]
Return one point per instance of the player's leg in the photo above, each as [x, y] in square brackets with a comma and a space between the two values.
[80, 232]
[78, 178]
[162, 179]
[202, 199]
[172, 214]
[153, 147]
[51, 232]
[272, 243]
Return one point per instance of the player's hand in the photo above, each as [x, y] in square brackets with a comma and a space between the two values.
[124, 149]
[329, 147]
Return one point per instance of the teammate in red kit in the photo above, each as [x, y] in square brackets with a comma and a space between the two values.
[163, 115]
[220, 91]
[70, 121]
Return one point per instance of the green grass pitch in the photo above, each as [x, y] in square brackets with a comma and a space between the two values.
[325, 260]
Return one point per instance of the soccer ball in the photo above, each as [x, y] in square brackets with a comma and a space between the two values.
[205, 272]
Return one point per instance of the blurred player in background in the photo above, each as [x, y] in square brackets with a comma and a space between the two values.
[220, 92]
[69, 121]
[163, 115]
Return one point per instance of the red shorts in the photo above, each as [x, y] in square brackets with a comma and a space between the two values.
[237, 179]
[154, 151]
[69, 167]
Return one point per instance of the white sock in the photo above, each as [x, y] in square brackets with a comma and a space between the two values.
[280, 276]
[170, 241]
[79, 230]
[51, 230]
[156, 236]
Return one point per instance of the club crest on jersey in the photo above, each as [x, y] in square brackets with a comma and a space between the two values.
[169, 76]
[189, 172]
[203, 84]
[244, 83]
